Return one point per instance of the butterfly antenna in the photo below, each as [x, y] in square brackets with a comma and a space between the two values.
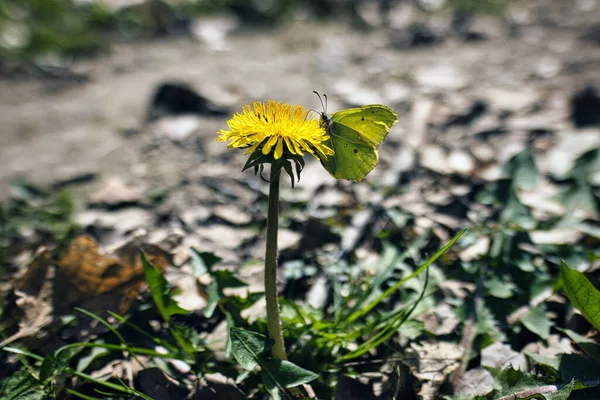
[324, 95]
[321, 100]
[308, 113]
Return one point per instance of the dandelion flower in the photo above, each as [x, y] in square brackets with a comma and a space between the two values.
[278, 128]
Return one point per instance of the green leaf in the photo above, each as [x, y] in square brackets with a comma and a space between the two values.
[586, 166]
[537, 322]
[54, 364]
[278, 375]
[250, 350]
[227, 279]
[213, 296]
[220, 279]
[286, 374]
[356, 313]
[587, 345]
[247, 347]
[486, 325]
[392, 323]
[511, 382]
[202, 261]
[579, 368]
[188, 338]
[549, 363]
[515, 212]
[242, 302]
[579, 196]
[272, 388]
[499, 288]
[21, 386]
[521, 168]
[563, 394]
[161, 291]
[583, 295]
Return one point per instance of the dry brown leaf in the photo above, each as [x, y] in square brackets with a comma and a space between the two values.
[34, 296]
[432, 364]
[83, 276]
[475, 382]
[440, 321]
[35, 275]
[94, 273]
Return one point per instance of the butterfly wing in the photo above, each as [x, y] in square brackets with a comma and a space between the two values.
[355, 135]
[372, 122]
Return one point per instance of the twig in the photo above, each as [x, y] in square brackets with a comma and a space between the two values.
[467, 339]
[525, 394]
[24, 332]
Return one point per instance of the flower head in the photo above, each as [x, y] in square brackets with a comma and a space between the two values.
[278, 128]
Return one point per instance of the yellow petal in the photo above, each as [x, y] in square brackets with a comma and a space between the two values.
[278, 149]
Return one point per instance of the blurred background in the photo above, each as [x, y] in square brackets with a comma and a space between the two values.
[81, 77]
[108, 117]
[119, 100]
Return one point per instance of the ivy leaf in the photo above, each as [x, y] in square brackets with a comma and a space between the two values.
[583, 295]
[161, 291]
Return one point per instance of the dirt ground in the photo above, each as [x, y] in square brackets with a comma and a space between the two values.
[91, 135]
[55, 131]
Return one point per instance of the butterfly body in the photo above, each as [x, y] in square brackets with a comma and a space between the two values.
[354, 135]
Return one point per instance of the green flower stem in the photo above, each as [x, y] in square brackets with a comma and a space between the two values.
[273, 319]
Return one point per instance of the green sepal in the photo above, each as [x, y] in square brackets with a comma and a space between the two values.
[292, 164]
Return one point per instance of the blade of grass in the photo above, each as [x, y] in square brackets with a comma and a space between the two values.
[370, 290]
[81, 395]
[136, 392]
[81, 375]
[359, 313]
[143, 332]
[113, 330]
[15, 350]
[390, 330]
[138, 350]
[339, 301]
